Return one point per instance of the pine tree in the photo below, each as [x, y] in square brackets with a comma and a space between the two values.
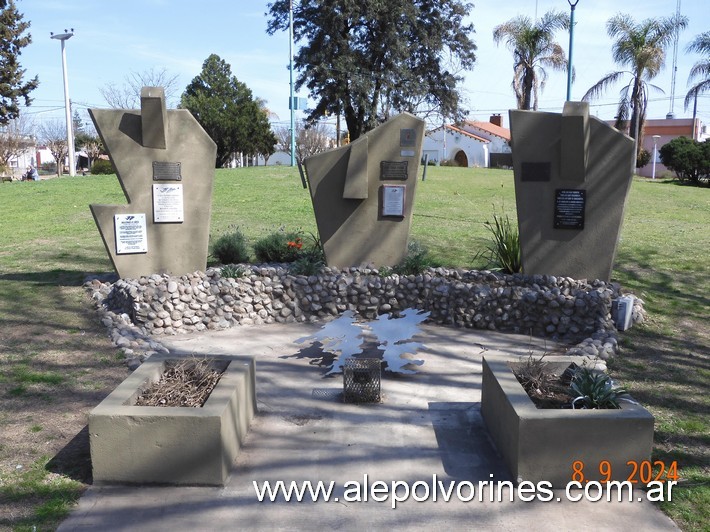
[225, 108]
[368, 59]
[12, 40]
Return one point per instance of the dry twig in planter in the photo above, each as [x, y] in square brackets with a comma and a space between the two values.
[186, 383]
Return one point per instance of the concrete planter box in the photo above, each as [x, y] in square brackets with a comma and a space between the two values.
[541, 444]
[172, 445]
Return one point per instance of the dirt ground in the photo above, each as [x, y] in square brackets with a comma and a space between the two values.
[52, 377]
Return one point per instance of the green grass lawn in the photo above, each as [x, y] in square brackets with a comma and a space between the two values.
[58, 363]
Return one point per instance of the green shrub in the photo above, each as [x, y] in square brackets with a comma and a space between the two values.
[594, 389]
[231, 248]
[278, 247]
[306, 265]
[644, 157]
[416, 261]
[688, 158]
[102, 166]
[233, 271]
[385, 271]
[503, 252]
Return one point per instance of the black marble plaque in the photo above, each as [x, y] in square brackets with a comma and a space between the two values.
[535, 172]
[164, 171]
[569, 208]
[396, 170]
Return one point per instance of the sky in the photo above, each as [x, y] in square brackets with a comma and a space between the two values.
[114, 38]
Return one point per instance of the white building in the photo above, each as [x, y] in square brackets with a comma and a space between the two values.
[492, 130]
[450, 143]
[471, 143]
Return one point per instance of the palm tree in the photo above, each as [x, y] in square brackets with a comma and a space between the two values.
[533, 48]
[701, 69]
[642, 49]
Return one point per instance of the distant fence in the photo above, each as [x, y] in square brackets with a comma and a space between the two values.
[501, 160]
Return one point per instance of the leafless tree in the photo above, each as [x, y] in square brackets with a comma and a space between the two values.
[128, 95]
[93, 149]
[15, 138]
[309, 140]
[53, 134]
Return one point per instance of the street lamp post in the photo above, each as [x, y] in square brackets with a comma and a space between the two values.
[655, 156]
[63, 37]
[572, 5]
[291, 106]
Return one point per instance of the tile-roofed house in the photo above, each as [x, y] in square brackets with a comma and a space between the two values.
[494, 127]
[452, 143]
[470, 143]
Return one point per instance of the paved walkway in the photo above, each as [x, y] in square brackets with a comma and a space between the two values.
[428, 424]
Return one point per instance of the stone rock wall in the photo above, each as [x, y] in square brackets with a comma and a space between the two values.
[564, 309]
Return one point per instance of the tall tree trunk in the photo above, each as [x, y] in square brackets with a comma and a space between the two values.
[527, 88]
[635, 123]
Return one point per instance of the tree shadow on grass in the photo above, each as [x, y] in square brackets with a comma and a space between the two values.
[57, 277]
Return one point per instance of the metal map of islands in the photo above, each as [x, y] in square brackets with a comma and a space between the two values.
[345, 336]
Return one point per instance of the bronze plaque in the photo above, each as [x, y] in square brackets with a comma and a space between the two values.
[569, 208]
[163, 171]
[535, 172]
[396, 170]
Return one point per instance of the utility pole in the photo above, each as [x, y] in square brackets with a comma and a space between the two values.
[291, 103]
[572, 5]
[63, 37]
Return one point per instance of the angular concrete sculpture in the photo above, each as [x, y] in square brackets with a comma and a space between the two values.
[572, 175]
[165, 164]
[363, 194]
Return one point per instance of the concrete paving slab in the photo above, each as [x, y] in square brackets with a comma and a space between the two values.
[428, 430]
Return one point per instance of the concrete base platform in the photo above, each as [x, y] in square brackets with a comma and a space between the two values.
[428, 424]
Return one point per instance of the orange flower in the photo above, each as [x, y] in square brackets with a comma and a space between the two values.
[298, 244]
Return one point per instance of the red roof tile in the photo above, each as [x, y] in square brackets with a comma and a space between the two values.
[462, 132]
[488, 127]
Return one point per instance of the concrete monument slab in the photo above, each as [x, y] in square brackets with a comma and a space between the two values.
[165, 164]
[363, 194]
[572, 176]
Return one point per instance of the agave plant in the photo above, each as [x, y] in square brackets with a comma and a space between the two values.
[503, 250]
[593, 389]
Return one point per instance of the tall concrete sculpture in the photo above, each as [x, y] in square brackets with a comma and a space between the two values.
[165, 163]
[363, 194]
[572, 175]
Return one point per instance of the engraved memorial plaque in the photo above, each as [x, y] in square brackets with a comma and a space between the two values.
[168, 203]
[393, 200]
[407, 137]
[569, 208]
[535, 172]
[395, 170]
[131, 234]
[165, 171]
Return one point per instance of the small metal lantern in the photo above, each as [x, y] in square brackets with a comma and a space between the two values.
[362, 380]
